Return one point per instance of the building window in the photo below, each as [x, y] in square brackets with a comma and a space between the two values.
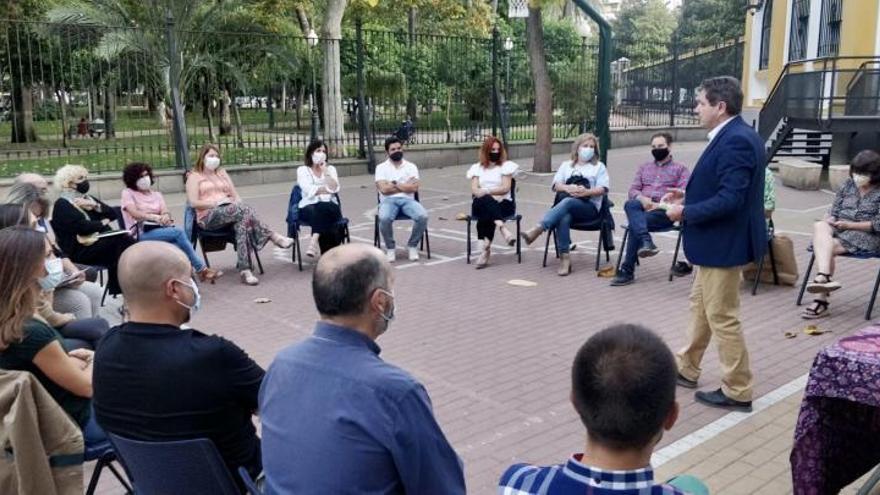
[766, 21]
[800, 23]
[829, 36]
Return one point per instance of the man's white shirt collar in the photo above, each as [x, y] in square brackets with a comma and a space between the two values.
[714, 132]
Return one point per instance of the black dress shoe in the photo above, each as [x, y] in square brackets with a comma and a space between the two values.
[682, 269]
[648, 249]
[622, 278]
[684, 382]
[719, 400]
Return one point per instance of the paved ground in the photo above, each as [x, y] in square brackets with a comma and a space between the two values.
[496, 358]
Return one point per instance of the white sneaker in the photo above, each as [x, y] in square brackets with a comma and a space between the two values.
[390, 255]
[413, 254]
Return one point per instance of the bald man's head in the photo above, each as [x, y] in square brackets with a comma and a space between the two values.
[345, 278]
[146, 267]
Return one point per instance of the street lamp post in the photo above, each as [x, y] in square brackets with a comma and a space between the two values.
[312, 39]
[508, 47]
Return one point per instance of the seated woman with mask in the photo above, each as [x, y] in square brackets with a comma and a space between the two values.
[82, 225]
[580, 183]
[145, 210]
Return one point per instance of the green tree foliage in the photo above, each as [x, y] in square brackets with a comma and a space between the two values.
[643, 30]
[706, 22]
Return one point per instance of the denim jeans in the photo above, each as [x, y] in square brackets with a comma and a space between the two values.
[641, 222]
[566, 212]
[388, 210]
[177, 237]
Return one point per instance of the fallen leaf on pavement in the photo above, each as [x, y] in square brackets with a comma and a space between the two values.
[814, 330]
[522, 283]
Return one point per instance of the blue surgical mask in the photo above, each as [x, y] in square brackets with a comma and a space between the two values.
[54, 274]
[197, 297]
[586, 153]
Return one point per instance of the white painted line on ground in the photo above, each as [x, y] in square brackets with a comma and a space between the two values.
[726, 422]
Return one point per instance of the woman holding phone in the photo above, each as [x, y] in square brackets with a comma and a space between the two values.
[318, 207]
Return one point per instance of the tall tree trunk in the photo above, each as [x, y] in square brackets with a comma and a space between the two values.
[543, 91]
[284, 98]
[23, 130]
[239, 131]
[448, 115]
[109, 113]
[93, 102]
[152, 102]
[62, 104]
[270, 108]
[161, 113]
[411, 103]
[331, 89]
[225, 117]
[303, 20]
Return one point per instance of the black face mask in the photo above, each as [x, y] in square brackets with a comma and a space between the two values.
[660, 154]
[494, 156]
[396, 156]
[82, 187]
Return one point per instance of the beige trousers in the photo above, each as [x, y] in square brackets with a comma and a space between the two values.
[715, 311]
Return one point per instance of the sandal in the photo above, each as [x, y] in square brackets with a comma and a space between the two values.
[248, 278]
[822, 287]
[819, 309]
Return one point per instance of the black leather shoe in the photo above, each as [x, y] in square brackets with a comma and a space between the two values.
[681, 381]
[622, 278]
[682, 269]
[719, 400]
[648, 249]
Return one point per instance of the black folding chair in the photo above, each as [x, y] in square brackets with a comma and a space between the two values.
[294, 222]
[804, 283]
[216, 240]
[424, 245]
[674, 228]
[771, 233]
[515, 217]
[604, 225]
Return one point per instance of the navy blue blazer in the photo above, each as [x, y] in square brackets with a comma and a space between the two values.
[724, 222]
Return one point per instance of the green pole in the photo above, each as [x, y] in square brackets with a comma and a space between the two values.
[603, 99]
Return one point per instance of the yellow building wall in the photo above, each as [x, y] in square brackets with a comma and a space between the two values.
[776, 62]
[858, 31]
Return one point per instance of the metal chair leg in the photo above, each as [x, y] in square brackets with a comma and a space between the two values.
[758, 275]
[376, 230]
[468, 257]
[96, 474]
[599, 248]
[427, 241]
[873, 297]
[547, 247]
[297, 251]
[806, 278]
[622, 249]
[675, 255]
[518, 243]
[773, 262]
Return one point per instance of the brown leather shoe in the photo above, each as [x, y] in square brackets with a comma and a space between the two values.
[530, 235]
[209, 275]
[564, 264]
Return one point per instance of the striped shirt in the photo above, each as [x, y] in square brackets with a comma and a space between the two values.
[654, 180]
[574, 478]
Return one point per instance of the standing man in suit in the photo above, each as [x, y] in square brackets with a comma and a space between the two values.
[724, 229]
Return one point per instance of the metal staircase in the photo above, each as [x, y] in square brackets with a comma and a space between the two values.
[814, 99]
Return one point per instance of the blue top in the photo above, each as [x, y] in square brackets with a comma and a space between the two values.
[723, 214]
[574, 478]
[338, 419]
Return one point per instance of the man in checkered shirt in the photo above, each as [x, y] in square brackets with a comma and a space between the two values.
[623, 388]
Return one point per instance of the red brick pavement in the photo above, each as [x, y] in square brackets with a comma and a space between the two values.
[496, 358]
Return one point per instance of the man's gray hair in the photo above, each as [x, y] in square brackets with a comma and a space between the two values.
[344, 288]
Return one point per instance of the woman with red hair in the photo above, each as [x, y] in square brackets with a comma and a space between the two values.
[491, 179]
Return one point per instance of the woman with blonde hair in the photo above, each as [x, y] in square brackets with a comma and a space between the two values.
[212, 194]
[82, 224]
[580, 185]
[27, 343]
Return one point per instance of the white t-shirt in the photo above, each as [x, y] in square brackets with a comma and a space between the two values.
[491, 178]
[387, 171]
[310, 183]
[595, 172]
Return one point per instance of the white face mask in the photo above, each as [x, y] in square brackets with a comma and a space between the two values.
[212, 162]
[388, 316]
[319, 157]
[586, 153]
[861, 180]
[54, 274]
[144, 183]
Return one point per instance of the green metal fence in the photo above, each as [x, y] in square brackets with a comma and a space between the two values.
[100, 96]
